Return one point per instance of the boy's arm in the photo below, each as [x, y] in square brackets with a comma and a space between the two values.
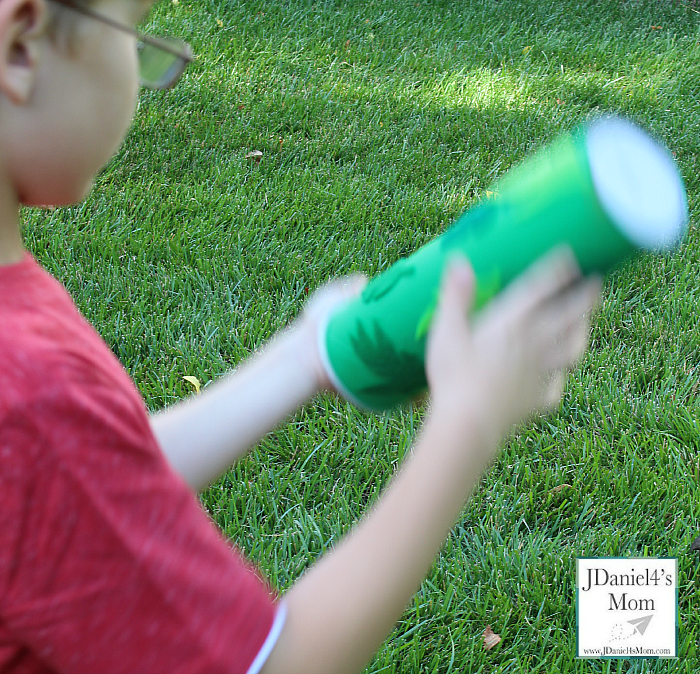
[339, 613]
[203, 435]
[481, 384]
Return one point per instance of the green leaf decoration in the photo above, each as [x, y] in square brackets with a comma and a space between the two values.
[402, 372]
[425, 321]
[383, 283]
[472, 222]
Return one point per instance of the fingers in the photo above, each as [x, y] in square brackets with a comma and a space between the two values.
[553, 389]
[545, 278]
[449, 339]
[356, 282]
[333, 294]
[456, 297]
[346, 286]
[351, 286]
[575, 301]
[567, 320]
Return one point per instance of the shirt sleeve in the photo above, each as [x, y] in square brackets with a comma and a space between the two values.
[108, 563]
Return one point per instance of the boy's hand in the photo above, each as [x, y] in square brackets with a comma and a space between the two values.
[318, 307]
[512, 361]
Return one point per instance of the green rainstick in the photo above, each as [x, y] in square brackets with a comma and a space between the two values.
[374, 347]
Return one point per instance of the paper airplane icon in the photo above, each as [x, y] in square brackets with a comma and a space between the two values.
[641, 624]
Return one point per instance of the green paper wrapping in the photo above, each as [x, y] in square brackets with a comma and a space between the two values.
[374, 347]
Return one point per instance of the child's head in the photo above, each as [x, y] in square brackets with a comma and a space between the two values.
[66, 100]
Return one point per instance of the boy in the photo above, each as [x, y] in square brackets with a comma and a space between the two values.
[107, 563]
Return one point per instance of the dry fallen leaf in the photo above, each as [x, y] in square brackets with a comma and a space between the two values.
[490, 638]
[656, 27]
[558, 488]
[194, 381]
[255, 156]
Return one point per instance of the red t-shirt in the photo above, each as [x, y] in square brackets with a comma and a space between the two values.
[107, 561]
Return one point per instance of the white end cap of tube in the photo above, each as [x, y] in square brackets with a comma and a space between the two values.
[638, 184]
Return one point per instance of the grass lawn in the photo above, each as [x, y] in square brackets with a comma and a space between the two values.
[379, 122]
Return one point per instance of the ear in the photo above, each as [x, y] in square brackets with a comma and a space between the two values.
[22, 23]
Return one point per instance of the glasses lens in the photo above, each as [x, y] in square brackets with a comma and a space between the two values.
[158, 68]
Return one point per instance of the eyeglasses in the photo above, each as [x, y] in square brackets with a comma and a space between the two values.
[161, 60]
